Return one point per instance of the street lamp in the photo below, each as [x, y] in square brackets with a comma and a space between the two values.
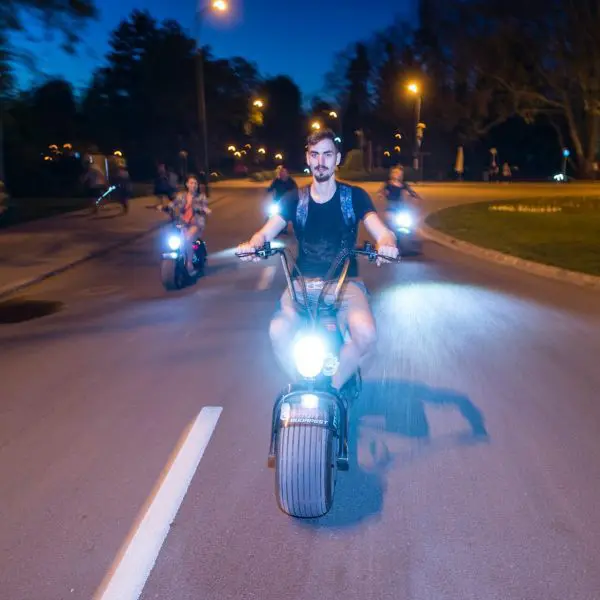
[566, 153]
[279, 156]
[258, 103]
[316, 125]
[414, 89]
[216, 6]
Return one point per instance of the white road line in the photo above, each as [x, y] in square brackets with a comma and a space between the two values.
[266, 278]
[130, 571]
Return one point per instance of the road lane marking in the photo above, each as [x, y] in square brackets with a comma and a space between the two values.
[266, 278]
[135, 561]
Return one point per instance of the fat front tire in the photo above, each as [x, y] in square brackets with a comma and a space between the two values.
[305, 470]
[171, 274]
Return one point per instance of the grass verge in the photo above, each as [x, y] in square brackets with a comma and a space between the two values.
[561, 232]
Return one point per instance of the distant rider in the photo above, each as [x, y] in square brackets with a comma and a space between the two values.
[191, 207]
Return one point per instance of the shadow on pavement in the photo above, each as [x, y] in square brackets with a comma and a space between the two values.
[400, 406]
[20, 310]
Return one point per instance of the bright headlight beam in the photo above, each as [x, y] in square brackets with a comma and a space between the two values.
[404, 220]
[309, 355]
[174, 242]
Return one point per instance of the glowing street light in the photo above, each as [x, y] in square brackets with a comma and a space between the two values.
[238, 154]
[262, 150]
[398, 136]
[316, 125]
[231, 148]
[279, 156]
[258, 103]
[413, 88]
[333, 114]
[387, 153]
[220, 5]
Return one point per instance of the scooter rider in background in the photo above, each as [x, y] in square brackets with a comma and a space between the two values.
[282, 184]
[191, 206]
[395, 190]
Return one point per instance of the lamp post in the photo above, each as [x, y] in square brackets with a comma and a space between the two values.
[565, 153]
[216, 6]
[414, 89]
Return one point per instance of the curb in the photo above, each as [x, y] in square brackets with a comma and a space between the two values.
[532, 267]
[11, 288]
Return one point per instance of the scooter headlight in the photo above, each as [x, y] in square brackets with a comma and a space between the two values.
[174, 242]
[404, 220]
[309, 355]
[273, 209]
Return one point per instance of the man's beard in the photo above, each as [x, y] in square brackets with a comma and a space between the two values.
[322, 175]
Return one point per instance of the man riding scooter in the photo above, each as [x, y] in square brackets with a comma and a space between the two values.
[282, 184]
[400, 215]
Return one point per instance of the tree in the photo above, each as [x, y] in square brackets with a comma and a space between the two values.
[463, 97]
[145, 100]
[538, 59]
[54, 113]
[64, 16]
[283, 119]
[557, 59]
[356, 97]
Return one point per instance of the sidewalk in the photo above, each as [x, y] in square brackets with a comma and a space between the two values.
[33, 251]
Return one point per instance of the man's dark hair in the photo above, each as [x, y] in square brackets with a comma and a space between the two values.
[318, 136]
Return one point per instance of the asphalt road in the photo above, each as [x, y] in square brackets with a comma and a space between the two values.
[475, 465]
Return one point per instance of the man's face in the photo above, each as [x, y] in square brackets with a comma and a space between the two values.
[322, 158]
[283, 174]
[397, 175]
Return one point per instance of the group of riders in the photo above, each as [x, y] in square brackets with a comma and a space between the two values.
[325, 216]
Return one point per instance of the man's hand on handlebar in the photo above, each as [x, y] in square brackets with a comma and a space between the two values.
[386, 254]
[256, 242]
[387, 249]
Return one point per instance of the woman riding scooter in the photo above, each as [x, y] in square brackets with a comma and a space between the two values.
[191, 207]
